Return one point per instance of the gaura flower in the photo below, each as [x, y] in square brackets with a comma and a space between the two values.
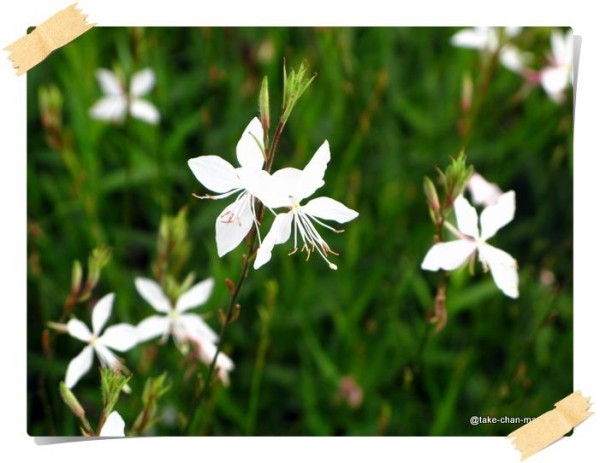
[482, 191]
[114, 426]
[450, 255]
[558, 75]
[185, 327]
[218, 175]
[121, 337]
[118, 101]
[487, 40]
[287, 188]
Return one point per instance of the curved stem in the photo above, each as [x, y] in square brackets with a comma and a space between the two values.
[252, 235]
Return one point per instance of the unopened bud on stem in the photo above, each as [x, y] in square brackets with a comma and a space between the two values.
[431, 194]
[263, 105]
[72, 402]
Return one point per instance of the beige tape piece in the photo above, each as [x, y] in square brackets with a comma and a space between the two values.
[552, 425]
[53, 33]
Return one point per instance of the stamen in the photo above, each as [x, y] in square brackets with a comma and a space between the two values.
[310, 236]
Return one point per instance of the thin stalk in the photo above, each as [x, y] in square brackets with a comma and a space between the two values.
[266, 315]
[479, 96]
[270, 154]
[226, 322]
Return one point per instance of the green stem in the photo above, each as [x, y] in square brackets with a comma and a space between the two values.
[266, 316]
[236, 292]
[479, 96]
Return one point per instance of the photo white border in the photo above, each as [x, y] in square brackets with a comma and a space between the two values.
[17, 15]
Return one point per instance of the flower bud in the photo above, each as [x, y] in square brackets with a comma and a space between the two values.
[431, 195]
[263, 105]
[76, 277]
[71, 401]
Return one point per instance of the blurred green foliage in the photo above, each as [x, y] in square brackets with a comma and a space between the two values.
[317, 352]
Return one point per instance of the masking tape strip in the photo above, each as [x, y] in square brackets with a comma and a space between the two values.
[552, 425]
[55, 32]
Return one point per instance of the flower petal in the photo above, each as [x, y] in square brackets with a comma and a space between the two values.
[480, 38]
[153, 294]
[144, 111]
[512, 31]
[120, 337]
[317, 166]
[101, 312]
[279, 233]
[195, 296]
[109, 83]
[193, 325]
[329, 209]
[79, 366]
[448, 256]
[290, 184]
[107, 358]
[233, 224]
[272, 190]
[114, 426]
[142, 82]
[110, 108]
[249, 149]
[555, 81]
[482, 191]
[153, 326]
[312, 175]
[513, 59]
[503, 268]
[466, 217]
[206, 353]
[562, 48]
[215, 173]
[77, 329]
[496, 216]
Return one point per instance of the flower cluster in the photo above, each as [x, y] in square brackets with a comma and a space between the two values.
[473, 232]
[554, 77]
[121, 337]
[186, 328]
[284, 189]
[118, 101]
[557, 75]
[489, 40]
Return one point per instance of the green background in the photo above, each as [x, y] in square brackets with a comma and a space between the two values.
[388, 100]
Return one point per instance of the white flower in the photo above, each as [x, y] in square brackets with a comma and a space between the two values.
[117, 101]
[287, 188]
[218, 175]
[121, 337]
[558, 75]
[114, 426]
[487, 40]
[450, 255]
[185, 327]
[482, 191]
